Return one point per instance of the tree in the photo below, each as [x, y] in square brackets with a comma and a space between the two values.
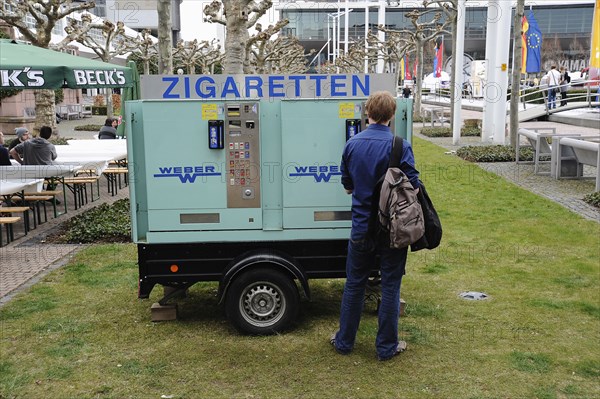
[114, 42]
[46, 14]
[238, 16]
[282, 55]
[516, 73]
[450, 10]
[145, 51]
[165, 38]
[423, 33]
[193, 54]
[354, 60]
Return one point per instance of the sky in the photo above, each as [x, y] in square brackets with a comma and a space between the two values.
[193, 26]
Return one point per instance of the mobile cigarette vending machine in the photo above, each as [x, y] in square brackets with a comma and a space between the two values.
[236, 179]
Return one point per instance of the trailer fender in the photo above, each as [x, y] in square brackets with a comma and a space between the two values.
[262, 258]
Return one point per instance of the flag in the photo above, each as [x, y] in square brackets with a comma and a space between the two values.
[533, 62]
[407, 75]
[438, 59]
[402, 69]
[524, 28]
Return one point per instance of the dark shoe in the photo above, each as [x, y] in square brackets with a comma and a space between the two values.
[332, 342]
[401, 347]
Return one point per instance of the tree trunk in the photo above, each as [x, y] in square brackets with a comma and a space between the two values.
[455, 86]
[147, 67]
[45, 114]
[419, 59]
[237, 37]
[109, 104]
[165, 40]
[516, 73]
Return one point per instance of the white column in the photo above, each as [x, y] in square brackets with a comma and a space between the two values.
[380, 34]
[457, 64]
[334, 41]
[346, 23]
[489, 88]
[502, 53]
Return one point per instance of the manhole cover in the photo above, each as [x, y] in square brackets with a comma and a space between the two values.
[473, 296]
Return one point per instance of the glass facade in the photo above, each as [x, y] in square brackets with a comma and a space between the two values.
[311, 24]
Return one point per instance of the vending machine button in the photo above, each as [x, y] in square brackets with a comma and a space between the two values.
[236, 146]
[231, 146]
[232, 182]
[247, 192]
[247, 145]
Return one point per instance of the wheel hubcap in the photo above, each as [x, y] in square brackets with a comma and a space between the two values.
[262, 305]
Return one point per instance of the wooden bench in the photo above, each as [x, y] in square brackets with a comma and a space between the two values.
[8, 221]
[586, 153]
[35, 203]
[10, 210]
[86, 110]
[113, 177]
[78, 186]
[50, 193]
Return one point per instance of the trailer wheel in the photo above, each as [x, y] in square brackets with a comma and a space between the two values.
[262, 302]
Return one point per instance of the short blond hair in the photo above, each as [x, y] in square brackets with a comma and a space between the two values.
[381, 106]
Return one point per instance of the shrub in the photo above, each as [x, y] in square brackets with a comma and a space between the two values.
[60, 140]
[104, 223]
[493, 153]
[88, 128]
[59, 95]
[116, 99]
[6, 93]
[593, 199]
[447, 131]
[99, 101]
[99, 110]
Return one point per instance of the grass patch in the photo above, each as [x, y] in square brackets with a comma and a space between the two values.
[81, 333]
[530, 362]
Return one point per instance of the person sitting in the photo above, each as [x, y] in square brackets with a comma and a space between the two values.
[109, 130]
[4, 158]
[37, 151]
[22, 135]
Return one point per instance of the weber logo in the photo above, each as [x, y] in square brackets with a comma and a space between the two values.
[187, 174]
[319, 173]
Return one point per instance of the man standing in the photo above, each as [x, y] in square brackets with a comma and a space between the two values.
[553, 78]
[37, 151]
[565, 79]
[364, 161]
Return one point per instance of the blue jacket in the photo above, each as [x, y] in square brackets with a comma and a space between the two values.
[364, 161]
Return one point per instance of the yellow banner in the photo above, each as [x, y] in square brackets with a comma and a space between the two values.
[595, 50]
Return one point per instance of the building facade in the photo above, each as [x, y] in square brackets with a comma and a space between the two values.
[566, 28]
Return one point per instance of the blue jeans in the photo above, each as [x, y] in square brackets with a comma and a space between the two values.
[361, 257]
[551, 98]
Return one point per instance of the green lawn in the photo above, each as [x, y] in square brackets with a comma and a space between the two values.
[82, 333]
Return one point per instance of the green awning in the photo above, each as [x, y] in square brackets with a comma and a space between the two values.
[24, 66]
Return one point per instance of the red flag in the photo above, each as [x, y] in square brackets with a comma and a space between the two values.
[439, 59]
[415, 68]
[407, 70]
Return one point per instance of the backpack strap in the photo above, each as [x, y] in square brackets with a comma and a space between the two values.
[396, 154]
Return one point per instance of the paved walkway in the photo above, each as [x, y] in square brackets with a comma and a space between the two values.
[27, 259]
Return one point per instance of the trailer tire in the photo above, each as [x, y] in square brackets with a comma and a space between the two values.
[262, 302]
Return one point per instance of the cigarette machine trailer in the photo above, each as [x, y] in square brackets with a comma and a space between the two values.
[236, 179]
